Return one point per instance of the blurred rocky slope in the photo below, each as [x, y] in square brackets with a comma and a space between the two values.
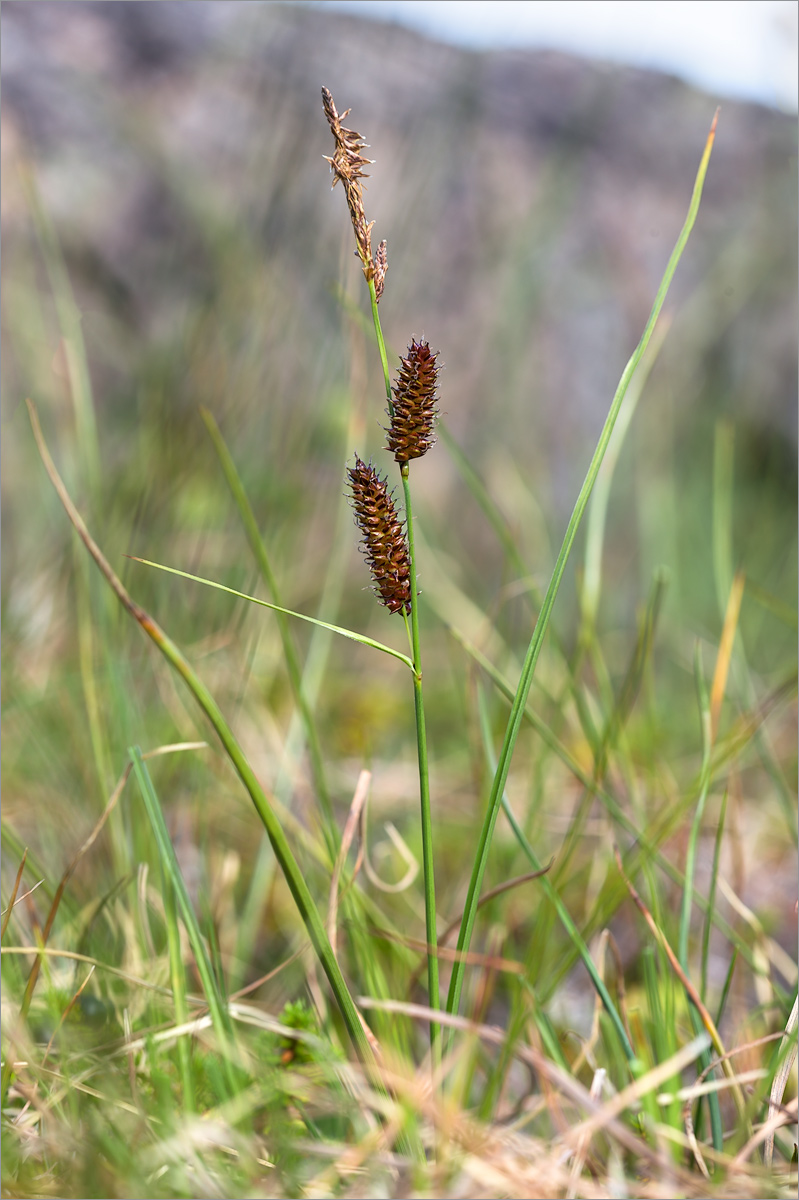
[530, 202]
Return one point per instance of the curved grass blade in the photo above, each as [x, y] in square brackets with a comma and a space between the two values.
[291, 870]
[537, 640]
[348, 633]
[175, 893]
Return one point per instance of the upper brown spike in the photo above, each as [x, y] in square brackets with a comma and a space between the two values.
[410, 434]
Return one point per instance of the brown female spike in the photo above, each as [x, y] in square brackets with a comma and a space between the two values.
[410, 434]
[383, 538]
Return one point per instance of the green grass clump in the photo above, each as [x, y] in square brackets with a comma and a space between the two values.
[200, 999]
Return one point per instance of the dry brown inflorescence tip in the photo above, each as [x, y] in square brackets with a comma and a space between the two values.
[410, 434]
[383, 537]
[347, 165]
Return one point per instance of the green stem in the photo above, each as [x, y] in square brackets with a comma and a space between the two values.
[424, 784]
[421, 731]
[381, 346]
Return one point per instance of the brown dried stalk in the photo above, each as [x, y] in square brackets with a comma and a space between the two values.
[383, 544]
[346, 164]
[414, 411]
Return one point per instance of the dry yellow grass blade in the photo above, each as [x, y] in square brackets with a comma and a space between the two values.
[725, 650]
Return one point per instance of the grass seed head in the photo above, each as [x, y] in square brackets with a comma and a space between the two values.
[410, 434]
[383, 537]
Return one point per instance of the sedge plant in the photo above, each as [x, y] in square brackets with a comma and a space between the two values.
[391, 558]
[388, 548]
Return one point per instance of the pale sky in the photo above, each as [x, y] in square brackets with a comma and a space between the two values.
[731, 48]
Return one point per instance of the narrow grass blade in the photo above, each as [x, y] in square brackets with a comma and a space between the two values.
[293, 669]
[498, 523]
[315, 666]
[73, 349]
[690, 859]
[723, 477]
[724, 655]
[690, 854]
[631, 683]
[175, 891]
[70, 320]
[620, 709]
[484, 501]
[597, 510]
[294, 877]
[644, 842]
[347, 633]
[177, 975]
[706, 1020]
[58, 896]
[13, 897]
[553, 895]
[786, 1057]
[711, 899]
[534, 649]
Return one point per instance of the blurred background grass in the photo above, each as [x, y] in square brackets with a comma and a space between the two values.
[164, 165]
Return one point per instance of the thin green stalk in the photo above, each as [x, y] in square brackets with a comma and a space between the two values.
[381, 346]
[424, 784]
[536, 642]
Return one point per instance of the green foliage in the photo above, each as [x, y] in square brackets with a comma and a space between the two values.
[180, 1039]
